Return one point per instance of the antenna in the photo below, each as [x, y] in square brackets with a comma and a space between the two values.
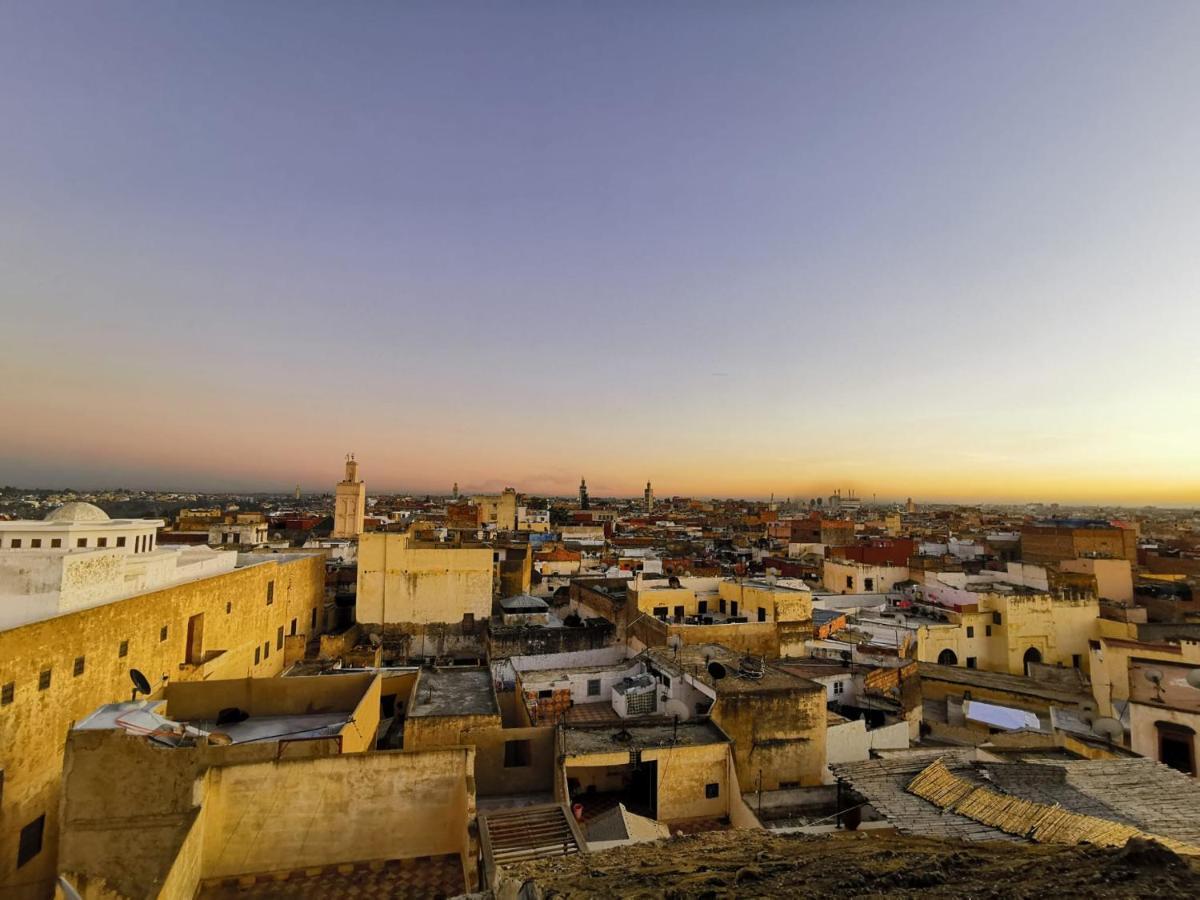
[141, 685]
[1108, 728]
[1155, 677]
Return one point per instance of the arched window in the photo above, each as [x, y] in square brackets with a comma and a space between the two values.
[947, 658]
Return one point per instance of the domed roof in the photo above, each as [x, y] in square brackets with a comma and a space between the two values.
[77, 512]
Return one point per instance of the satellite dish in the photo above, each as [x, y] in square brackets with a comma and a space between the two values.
[375, 639]
[1154, 676]
[716, 671]
[676, 708]
[1193, 678]
[141, 684]
[1108, 728]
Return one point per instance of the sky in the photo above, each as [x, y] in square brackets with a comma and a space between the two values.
[939, 250]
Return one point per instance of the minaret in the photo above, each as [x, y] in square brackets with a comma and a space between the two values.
[297, 492]
[456, 490]
[648, 495]
[349, 503]
[583, 494]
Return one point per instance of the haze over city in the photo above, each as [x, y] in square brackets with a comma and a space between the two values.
[946, 256]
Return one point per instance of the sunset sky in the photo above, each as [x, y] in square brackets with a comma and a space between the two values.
[946, 250]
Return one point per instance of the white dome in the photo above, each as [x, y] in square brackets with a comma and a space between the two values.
[77, 512]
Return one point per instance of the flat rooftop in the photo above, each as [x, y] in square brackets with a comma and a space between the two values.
[999, 681]
[616, 738]
[453, 691]
[695, 659]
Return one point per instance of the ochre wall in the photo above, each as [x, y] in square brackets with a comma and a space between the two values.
[33, 727]
[424, 585]
[781, 733]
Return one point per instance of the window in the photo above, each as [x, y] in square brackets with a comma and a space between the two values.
[660, 612]
[1076, 660]
[7, 692]
[970, 631]
[121, 541]
[270, 592]
[839, 687]
[44, 679]
[31, 840]
[257, 655]
[101, 542]
[81, 542]
[987, 630]
[593, 689]
[995, 618]
[1175, 746]
[868, 584]
[314, 620]
[162, 633]
[702, 607]
[970, 662]
[123, 649]
[16, 544]
[762, 614]
[35, 543]
[721, 604]
[545, 694]
[850, 581]
[679, 612]
[733, 607]
[279, 638]
[266, 650]
[516, 754]
[55, 542]
[712, 791]
[294, 623]
[80, 662]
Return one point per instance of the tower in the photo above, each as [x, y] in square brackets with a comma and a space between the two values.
[349, 503]
[583, 494]
[456, 490]
[649, 497]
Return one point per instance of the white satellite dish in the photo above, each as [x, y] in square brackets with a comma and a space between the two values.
[1154, 676]
[1108, 728]
[676, 708]
[1193, 678]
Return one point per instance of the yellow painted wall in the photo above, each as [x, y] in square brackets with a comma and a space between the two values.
[34, 726]
[780, 733]
[424, 585]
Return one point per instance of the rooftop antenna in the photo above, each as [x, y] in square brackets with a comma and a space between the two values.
[141, 684]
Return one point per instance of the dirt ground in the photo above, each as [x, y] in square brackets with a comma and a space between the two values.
[759, 864]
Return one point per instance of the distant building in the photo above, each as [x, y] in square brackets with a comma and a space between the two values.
[497, 510]
[350, 503]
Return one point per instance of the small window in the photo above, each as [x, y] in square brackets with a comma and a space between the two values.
[970, 662]
[35, 543]
[987, 630]
[850, 581]
[101, 542]
[516, 754]
[55, 542]
[660, 612]
[31, 840]
[123, 649]
[995, 618]
[228, 607]
[121, 541]
[721, 604]
[257, 655]
[80, 662]
[266, 650]
[16, 544]
[44, 679]
[545, 695]
[664, 679]
[868, 584]
[81, 542]
[314, 620]
[162, 633]
[839, 687]
[294, 624]
[712, 791]
[593, 687]
[279, 638]
[7, 693]
[970, 631]
[702, 607]
[270, 592]
[762, 614]
[1076, 660]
